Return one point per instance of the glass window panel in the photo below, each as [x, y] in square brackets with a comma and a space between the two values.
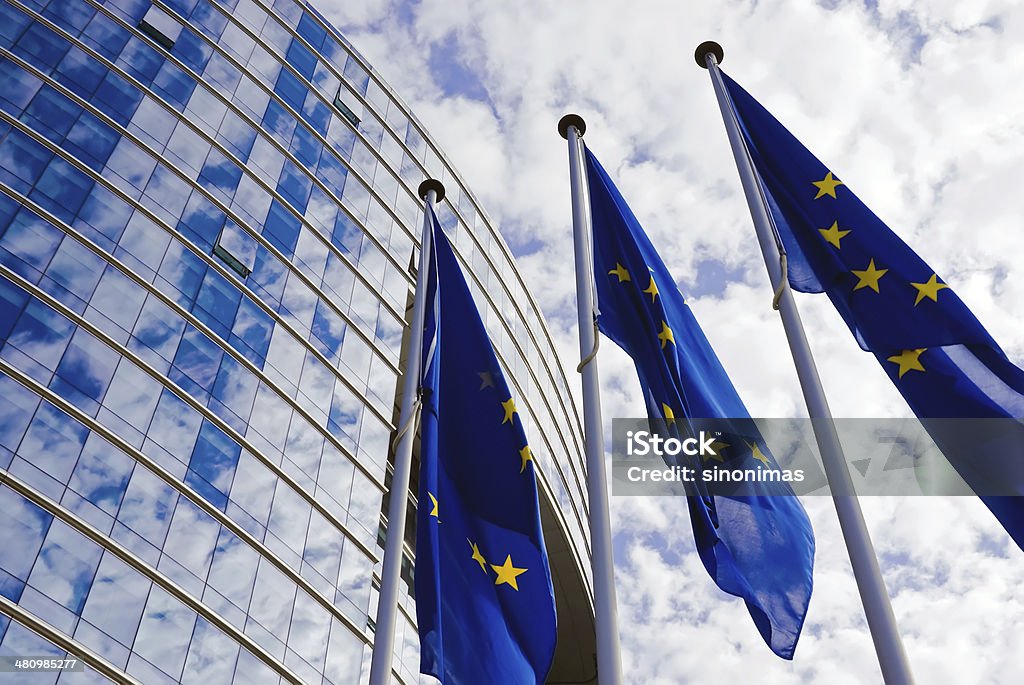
[28, 244]
[153, 122]
[221, 175]
[41, 46]
[289, 518]
[158, 329]
[61, 189]
[295, 186]
[268, 277]
[252, 331]
[26, 526]
[311, 30]
[323, 547]
[309, 630]
[102, 474]
[208, 108]
[143, 245]
[184, 272]
[270, 417]
[118, 298]
[345, 417]
[250, 97]
[147, 506]
[329, 329]
[85, 371]
[192, 50]
[344, 653]
[51, 114]
[17, 87]
[332, 172]
[117, 98]
[211, 656]
[267, 159]
[65, 567]
[215, 457]
[187, 149]
[165, 632]
[174, 85]
[235, 390]
[253, 488]
[291, 89]
[237, 134]
[217, 303]
[233, 571]
[131, 164]
[167, 191]
[322, 211]
[300, 302]
[335, 476]
[140, 60]
[103, 217]
[42, 334]
[272, 599]
[365, 505]
[22, 160]
[306, 147]
[77, 269]
[312, 253]
[198, 359]
[302, 58]
[220, 71]
[192, 538]
[17, 406]
[251, 201]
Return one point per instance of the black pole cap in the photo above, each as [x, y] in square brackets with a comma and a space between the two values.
[428, 185]
[705, 48]
[571, 120]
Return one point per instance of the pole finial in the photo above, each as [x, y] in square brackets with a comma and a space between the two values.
[702, 51]
[571, 120]
[427, 186]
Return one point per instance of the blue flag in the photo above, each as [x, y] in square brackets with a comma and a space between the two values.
[485, 605]
[758, 544]
[941, 359]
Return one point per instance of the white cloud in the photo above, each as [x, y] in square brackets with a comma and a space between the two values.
[915, 105]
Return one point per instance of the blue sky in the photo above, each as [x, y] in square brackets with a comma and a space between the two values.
[914, 105]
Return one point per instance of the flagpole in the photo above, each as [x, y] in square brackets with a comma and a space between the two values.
[877, 607]
[609, 662]
[430, 191]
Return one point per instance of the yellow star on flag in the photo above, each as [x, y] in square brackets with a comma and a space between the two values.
[909, 360]
[868, 278]
[666, 335]
[621, 272]
[510, 408]
[526, 455]
[477, 557]
[507, 573]
[929, 289]
[827, 186]
[717, 446]
[433, 501]
[486, 379]
[756, 453]
[652, 289]
[833, 234]
[668, 414]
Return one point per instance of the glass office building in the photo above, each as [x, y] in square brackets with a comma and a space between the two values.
[208, 227]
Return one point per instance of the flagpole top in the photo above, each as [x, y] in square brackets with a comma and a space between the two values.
[571, 120]
[427, 186]
[705, 48]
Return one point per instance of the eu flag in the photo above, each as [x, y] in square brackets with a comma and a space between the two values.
[941, 359]
[484, 599]
[757, 545]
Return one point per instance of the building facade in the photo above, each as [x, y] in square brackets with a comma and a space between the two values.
[208, 227]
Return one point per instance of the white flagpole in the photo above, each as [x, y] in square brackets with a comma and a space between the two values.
[873, 595]
[431, 191]
[609, 661]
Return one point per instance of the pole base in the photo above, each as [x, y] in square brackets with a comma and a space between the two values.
[705, 48]
[428, 185]
[571, 120]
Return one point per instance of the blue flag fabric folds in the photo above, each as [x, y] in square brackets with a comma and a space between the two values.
[484, 600]
[757, 545]
[941, 359]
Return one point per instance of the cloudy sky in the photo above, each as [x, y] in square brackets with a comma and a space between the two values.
[917, 106]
